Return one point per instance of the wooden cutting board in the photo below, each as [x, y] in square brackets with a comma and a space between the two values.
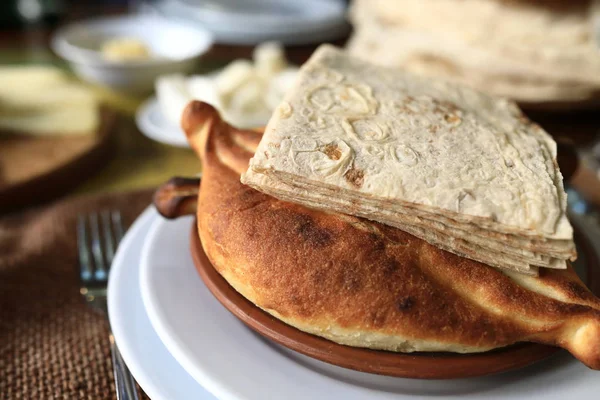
[34, 170]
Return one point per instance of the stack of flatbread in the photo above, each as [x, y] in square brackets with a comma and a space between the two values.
[530, 50]
[464, 171]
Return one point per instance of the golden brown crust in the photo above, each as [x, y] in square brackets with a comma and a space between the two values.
[366, 284]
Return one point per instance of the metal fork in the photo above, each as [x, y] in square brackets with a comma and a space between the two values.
[97, 240]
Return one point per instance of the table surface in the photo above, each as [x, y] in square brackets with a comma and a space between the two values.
[137, 161]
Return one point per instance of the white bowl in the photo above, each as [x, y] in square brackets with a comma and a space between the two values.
[176, 47]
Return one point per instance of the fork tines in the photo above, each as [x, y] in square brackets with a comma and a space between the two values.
[97, 238]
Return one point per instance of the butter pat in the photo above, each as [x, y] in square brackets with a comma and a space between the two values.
[125, 49]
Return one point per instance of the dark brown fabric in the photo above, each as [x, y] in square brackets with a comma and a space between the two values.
[52, 346]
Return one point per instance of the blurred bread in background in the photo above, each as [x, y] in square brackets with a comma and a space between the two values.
[530, 50]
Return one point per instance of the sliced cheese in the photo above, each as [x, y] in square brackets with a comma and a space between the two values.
[42, 100]
[74, 120]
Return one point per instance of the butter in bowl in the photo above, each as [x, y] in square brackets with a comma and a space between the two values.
[128, 53]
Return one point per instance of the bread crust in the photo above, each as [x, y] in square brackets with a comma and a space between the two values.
[365, 284]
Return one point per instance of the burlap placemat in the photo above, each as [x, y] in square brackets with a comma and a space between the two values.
[52, 346]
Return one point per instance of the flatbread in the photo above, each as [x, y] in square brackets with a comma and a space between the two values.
[434, 159]
[556, 43]
[517, 250]
[424, 54]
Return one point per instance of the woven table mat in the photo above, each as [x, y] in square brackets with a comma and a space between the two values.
[52, 345]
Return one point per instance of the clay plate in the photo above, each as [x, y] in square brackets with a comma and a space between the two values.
[406, 365]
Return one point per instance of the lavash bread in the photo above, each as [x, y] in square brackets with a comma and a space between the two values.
[459, 169]
[365, 284]
[527, 50]
[428, 55]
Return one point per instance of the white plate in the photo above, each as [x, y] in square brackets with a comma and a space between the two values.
[254, 21]
[157, 372]
[154, 125]
[232, 362]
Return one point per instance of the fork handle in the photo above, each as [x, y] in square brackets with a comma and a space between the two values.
[124, 382]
